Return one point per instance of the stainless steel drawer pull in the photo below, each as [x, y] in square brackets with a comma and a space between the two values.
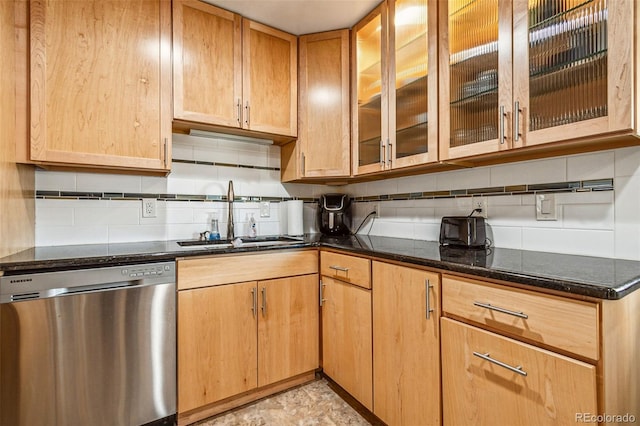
[486, 357]
[503, 310]
[264, 301]
[339, 268]
[321, 291]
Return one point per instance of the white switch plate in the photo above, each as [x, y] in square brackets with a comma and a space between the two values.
[149, 207]
[265, 209]
[546, 207]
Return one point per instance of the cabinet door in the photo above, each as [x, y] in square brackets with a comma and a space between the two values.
[324, 105]
[346, 338]
[207, 64]
[101, 83]
[217, 344]
[475, 77]
[370, 104]
[406, 349]
[571, 69]
[413, 100]
[554, 391]
[288, 328]
[270, 79]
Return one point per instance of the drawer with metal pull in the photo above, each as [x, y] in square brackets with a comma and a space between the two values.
[566, 324]
[351, 269]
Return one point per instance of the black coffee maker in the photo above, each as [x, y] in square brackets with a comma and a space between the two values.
[334, 214]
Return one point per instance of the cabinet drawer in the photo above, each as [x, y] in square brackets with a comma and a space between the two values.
[351, 269]
[570, 325]
[493, 380]
[216, 270]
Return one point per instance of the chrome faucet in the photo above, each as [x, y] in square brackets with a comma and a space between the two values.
[230, 196]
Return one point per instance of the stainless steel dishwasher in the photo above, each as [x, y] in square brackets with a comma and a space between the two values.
[89, 346]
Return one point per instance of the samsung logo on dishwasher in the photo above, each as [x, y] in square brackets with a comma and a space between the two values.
[22, 280]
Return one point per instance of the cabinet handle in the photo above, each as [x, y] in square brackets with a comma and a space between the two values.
[264, 301]
[486, 357]
[382, 153]
[389, 153]
[254, 300]
[428, 286]
[502, 136]
[516, 121]
[239, 107]
[321, 295]
[166, 151]
[503, 310]
[339, 268]
[304, 165]
[248, 110]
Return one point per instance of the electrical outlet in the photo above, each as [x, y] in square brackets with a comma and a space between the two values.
[480, 203]
[265, 209]
[377, 209]
[149, 207]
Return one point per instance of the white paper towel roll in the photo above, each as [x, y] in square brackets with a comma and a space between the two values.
[294, 217]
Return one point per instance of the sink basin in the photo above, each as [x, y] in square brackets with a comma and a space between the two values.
[246, 242]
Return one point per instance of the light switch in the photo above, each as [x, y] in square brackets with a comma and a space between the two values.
[546, 207]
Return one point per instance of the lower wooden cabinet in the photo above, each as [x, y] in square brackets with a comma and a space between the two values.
[233, 338]
[406, 349]
[346, 338]
[217, 345]
[488, 379]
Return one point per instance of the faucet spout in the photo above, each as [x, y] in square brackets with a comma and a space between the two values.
[230, 197]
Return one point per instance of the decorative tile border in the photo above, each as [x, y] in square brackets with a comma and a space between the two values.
[556, 187]
[68, 195]
[573, 186]
[212, 163]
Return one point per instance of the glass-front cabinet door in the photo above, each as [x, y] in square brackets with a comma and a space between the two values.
[395, 91]
[475, 76]
[370, 99]
[413, 99]
[572, 69]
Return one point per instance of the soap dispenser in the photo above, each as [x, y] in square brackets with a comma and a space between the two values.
[215, 232]
[253, 231]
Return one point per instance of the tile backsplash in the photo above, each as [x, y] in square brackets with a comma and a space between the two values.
[94, 208]
[593, 219]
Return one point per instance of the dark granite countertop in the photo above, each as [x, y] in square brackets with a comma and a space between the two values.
[602, 278]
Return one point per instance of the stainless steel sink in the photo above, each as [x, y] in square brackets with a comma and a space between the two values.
[245, 242]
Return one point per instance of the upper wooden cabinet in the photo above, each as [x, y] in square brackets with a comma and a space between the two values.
[395, 87]
[233, 72]
[519, 74]
[100, 84]
[323, 148]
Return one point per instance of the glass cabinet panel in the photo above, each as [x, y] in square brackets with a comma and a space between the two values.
[411, 72]
[473, 68]
[369, 91]
[567, 61]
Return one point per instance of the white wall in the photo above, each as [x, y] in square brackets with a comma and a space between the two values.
[63, 221]
[603, 223]
[595, 223]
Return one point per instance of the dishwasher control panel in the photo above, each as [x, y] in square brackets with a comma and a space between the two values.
[39, 285]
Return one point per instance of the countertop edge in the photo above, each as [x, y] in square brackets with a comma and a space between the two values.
[556, 284]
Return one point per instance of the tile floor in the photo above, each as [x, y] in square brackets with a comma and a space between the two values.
[311, 404]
